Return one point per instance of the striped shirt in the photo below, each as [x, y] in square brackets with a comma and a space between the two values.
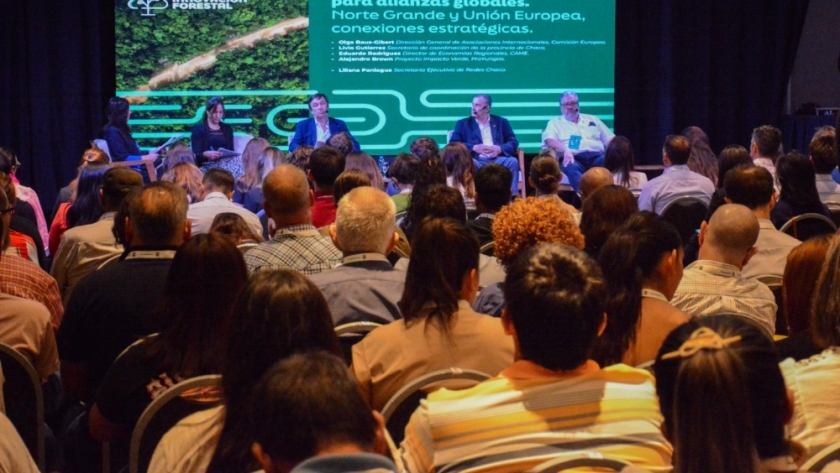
[298, 247]
[713, 288]
[510, 425]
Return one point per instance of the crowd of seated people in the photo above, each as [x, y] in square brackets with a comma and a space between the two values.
[593, 335]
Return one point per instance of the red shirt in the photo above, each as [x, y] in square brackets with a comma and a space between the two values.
[323, 210]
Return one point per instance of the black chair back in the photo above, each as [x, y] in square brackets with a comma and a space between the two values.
[179, 401]
[685, 214]
[805, 226]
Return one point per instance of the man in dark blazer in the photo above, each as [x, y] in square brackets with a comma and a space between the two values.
[489, 137]
[316, 130]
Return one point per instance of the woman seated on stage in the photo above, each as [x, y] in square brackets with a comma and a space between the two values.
[211, 135]
[117, 133]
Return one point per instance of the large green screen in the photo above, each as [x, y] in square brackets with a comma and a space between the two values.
[393, 69]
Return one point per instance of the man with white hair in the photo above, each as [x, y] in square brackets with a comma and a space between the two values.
[365, 287]
[578, 139]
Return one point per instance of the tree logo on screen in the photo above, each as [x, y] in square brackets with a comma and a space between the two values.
[148, 6]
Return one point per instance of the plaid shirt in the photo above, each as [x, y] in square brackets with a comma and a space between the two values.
[713, 288]
[23, 278]
[298, 247]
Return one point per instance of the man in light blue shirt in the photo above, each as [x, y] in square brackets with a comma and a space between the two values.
[677, 180]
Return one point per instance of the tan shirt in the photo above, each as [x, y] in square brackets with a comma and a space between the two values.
[25, 326]
[658, 319]
[393, 355]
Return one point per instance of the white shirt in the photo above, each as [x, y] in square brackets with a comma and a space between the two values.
[323, 132]
[201, 214]
[767, 164]
[814, 383]
[635, 182]
[594, 135]
[773, 248]
[828, 189]
[675, 182]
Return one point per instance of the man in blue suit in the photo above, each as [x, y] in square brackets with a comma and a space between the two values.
[316, 130]
[489, 137]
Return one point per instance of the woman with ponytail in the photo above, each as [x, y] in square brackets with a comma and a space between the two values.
[545, 177]
[642, 266]
[723, 398]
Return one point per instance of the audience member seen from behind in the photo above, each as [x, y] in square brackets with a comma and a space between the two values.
[341, 141]
[642, 266]
[188, 177]
[250, 177]
[325, 165]
[92, 155]
[117, 133]
[799, 195]
[430, 174]
[300, 157]
[278, 313]
[714, 284]
[218, 189]
[550, 400]
[178, 153]
[766, 147]
[604, 211]
[460, 171]
[723, 399]
[425, 149]
[347, 181]
[206, 274]
[365, 287]
[702, 159]
[364, 162]
[24, 238]
[677, 180]
[545, 177]
[518, 227]
[85, 207]
[267, 160]
[816, 380]
[593, 179]
[403, 173]
[822, 152]
[799, 282]
[26, 202]
[731, 157]
[492, 192]
[234, 227]
[620, 161]
[438, 323]
[334, 430]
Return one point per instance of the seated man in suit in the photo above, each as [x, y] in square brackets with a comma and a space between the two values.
[317, 130]
[489, 137]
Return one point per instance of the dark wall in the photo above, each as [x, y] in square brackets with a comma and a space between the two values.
[815, 76]
[721, 65]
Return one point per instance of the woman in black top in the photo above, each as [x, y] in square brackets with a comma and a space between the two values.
[799, 195]
[211, 135]
[117, 134]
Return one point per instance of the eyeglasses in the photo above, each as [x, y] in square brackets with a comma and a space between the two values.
[569, 104]
[10, 211]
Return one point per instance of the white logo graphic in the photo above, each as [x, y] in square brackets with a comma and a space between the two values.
[148, 6]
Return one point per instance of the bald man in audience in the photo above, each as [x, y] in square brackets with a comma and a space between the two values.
[365, 287]
[296, 243]
[714, 283]
[594, 179]
[111, 308]
[753, 187]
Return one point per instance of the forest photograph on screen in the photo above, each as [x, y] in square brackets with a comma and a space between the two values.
[174, 54]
